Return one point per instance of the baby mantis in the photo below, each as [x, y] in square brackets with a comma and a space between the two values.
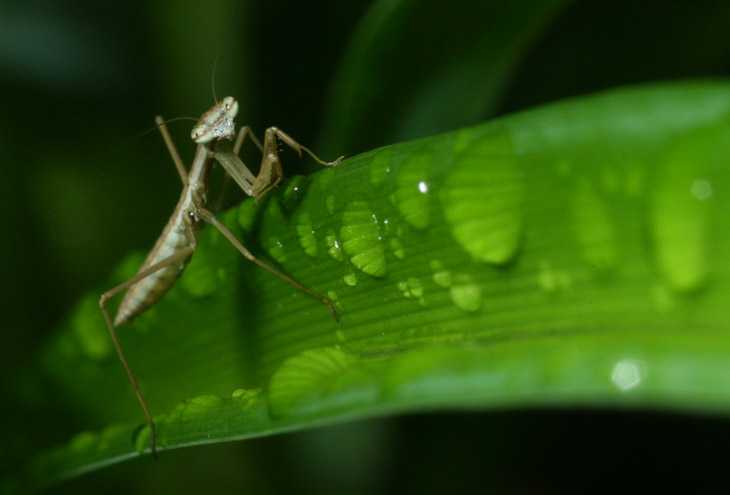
[173, 249]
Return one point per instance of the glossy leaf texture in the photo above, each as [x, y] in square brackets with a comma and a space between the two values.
[574, 254]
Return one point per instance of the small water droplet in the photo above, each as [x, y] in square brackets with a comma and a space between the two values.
[293, 191]
[441, 276]
[305, 235]
[350, 278]
[411, 196]
[361, 239]
[397, 248]
[330, 203]
[276, 249]
[333, 246]
[593, 226]
[411, 287]
[466, 294]
[483, 200]
[551, 280]
[380, 168]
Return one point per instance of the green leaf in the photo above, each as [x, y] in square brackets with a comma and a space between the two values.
[414, 69]
[572, 254]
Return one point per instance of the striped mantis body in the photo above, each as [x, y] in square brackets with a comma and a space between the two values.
[179, 239]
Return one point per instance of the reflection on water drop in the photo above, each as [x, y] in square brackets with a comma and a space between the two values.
[333, 246]
[627, 374]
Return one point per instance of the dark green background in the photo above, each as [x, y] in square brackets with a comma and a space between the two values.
[78, 79]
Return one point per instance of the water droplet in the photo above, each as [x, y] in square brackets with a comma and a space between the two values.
[483, 200]
[350, 278]
[466, 294]
[248, 397]
[702, 189]
[411, 196]
[276, 249]
[680, 219]
[593, 226]
[305, 235]
[84, 441]
[412, 287]
[198, 406]
[330, 203]
[441, 276]
[551, 280]
[361, 239]
[397, 248]
[308, 376]
[380, 168]
[325, 178]
[334, 299]
[333, 246]
[293, 191]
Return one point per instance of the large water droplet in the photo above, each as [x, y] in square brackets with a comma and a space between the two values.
[305, 235]
[411, 194]
[680, 218]
[361, 239]
[483, 200]
[380, 168]
[466, 294]
[593, 226]
[312, 372]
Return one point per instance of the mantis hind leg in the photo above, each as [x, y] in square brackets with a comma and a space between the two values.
[180, 255]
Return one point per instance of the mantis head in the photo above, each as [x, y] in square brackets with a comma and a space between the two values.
[216, 123]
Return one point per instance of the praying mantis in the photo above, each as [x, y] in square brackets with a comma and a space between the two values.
[214, 133]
